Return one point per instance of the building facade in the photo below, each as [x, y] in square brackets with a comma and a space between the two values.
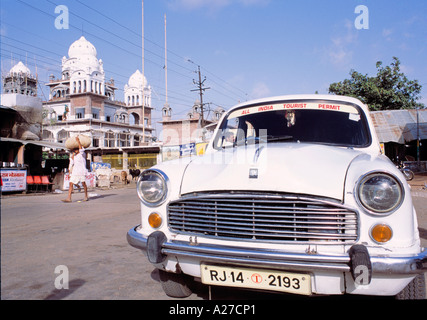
[82, 101]
[188, 136]
[20, 94]
[21, 146]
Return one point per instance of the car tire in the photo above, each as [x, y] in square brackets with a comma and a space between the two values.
[175, 285]
[409, 175]
[415, 290]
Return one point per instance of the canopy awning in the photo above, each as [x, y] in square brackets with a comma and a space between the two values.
[47, 144]
[400, 126]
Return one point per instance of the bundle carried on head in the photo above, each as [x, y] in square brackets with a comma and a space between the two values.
[72, 143]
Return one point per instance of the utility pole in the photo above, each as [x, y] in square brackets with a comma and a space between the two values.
[418, 141]
[166, 67]
[200, 88]
[143, 71]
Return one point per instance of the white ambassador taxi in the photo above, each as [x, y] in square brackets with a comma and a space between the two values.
[292, 195]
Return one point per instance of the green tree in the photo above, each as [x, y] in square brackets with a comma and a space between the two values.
[390, 89]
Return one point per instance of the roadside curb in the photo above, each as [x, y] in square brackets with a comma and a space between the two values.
[64, 192]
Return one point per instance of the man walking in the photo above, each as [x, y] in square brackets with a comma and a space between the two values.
[78, 171]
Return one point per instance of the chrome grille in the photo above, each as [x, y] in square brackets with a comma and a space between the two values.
[263, 217]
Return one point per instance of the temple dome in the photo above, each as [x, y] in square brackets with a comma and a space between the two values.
[81, 47]
[20, 68]
[82, 57]
[137, 80]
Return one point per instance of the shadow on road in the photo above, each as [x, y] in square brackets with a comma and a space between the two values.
[59, 294]
[100, 196]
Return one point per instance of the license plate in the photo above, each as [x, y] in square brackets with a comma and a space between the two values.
[283, 281]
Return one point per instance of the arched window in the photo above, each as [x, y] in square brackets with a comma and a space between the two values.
[48, 136]
[134, 118]
[62, 136]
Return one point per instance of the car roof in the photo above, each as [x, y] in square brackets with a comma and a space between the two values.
[329, 97]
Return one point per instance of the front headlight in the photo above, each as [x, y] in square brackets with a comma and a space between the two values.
[152, 187]
[380, 193]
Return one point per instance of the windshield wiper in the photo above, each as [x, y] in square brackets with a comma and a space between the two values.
[279, 138]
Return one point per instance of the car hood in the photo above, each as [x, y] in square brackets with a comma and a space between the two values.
[277, 167]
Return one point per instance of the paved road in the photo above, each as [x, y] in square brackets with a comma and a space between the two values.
[40, 233]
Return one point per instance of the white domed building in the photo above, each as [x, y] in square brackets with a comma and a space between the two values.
[82, 72]
[85, 71]
[20, 127]
[20, 80]
[82, 101]
[20, 95]
[136, 91]
[135, 88]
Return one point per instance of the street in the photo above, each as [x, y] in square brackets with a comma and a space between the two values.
[39, 233]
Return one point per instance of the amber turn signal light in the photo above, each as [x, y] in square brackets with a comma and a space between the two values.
[381, 233]
[155, 220]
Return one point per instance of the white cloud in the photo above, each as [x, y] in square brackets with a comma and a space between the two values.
[198, 4]
[386, 33]
[407, 70]
[220, 53]
[340, 52]
[254, 2]
[212, 4]
[423, 101]
[260, 90]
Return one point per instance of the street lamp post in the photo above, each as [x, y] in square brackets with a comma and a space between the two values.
[418, 141]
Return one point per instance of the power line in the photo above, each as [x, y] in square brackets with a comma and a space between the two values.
[91, 34]
[187, 76]
[133, 43]
[200, 87]
[47, 64]
[137, 34]
[160, 46]
[58, 65]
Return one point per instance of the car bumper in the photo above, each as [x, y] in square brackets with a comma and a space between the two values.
[157, 249]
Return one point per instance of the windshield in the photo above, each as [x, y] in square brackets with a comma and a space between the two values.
[302, 121]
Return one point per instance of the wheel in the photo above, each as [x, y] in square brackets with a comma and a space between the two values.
[175, 285]
[415, 290]
[409, 175]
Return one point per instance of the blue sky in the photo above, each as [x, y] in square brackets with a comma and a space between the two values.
[246, 48]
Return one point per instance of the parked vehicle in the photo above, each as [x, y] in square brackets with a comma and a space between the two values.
[408, 173]
[292, 195]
